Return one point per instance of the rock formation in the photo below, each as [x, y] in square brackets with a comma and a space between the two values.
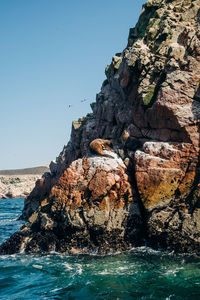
[149, 107]
[92, 204]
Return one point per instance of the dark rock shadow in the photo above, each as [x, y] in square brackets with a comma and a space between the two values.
[193, 198]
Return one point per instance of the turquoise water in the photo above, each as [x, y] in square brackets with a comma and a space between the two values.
[140, 274]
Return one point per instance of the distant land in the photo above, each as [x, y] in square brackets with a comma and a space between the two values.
[20, 182]
[27, 171]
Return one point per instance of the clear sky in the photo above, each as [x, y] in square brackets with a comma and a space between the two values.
[53, 54]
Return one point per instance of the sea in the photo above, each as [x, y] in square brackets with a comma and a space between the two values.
[141, 273]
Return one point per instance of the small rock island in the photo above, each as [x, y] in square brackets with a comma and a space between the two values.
[146, 189]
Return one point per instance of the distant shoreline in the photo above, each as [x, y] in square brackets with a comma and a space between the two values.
[20, 182]
[27, 171]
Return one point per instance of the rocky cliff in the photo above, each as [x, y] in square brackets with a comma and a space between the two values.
[148, 189]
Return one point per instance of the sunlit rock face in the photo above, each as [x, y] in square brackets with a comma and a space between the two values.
[93, 207]
[149, 107]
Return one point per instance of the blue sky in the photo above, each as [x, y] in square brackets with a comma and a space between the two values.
[53, 54]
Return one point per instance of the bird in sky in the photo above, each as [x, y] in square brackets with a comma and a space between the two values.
[84, 100]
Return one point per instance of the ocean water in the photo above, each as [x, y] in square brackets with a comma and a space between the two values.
[142, 273]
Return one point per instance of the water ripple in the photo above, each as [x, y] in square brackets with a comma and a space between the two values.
[142, 273]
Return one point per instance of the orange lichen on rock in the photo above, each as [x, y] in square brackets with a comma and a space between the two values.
[163, 170]
[101, 183]
[90, 186]
[105, 204]
[44, 202]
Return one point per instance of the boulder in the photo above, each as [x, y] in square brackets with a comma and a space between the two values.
[92, 207]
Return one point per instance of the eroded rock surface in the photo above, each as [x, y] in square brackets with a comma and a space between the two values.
[149, 107]
[93, 207]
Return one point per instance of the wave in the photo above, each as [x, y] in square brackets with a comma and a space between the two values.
[8, 220]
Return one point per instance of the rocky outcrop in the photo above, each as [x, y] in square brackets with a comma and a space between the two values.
[149, 107]
[92, 207]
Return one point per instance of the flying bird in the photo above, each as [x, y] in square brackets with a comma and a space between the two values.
[84, 100]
